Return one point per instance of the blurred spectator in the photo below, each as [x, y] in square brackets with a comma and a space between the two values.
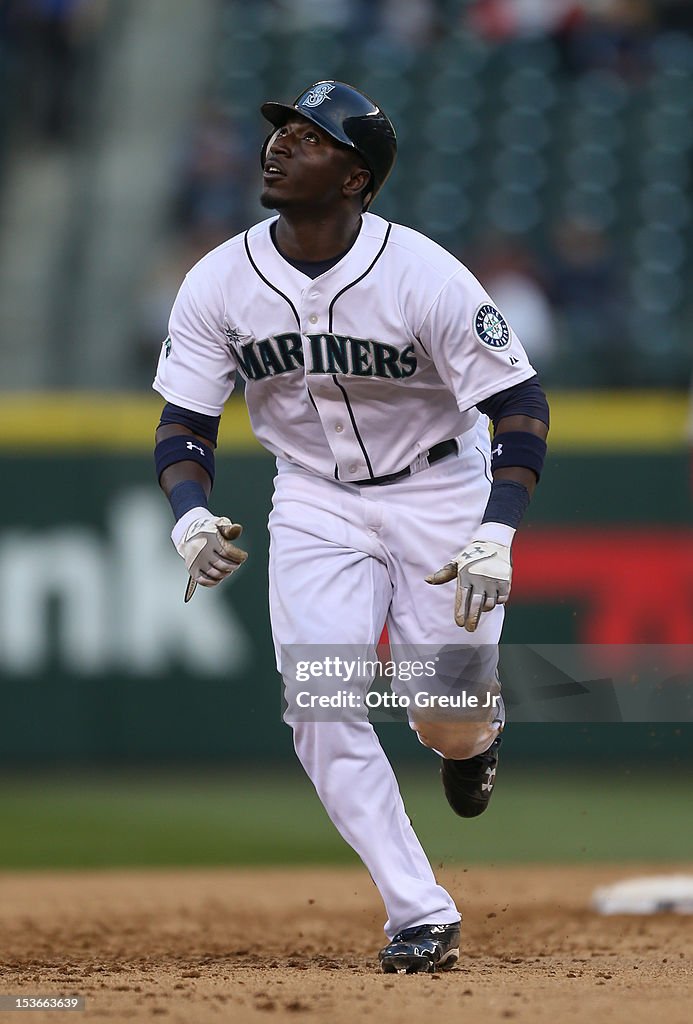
[304, 15]
[215, 165]
[391, 24]
[613, 35]
[606, 34]
[414, 24]
[53, 40]
[585, 290]
[509, 19]
[157, 294]
[218, 175]
[511, 276]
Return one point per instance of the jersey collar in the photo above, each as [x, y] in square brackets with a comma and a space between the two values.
[288, 279]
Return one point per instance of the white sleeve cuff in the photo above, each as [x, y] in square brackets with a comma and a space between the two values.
[179, 530]
[498, 533]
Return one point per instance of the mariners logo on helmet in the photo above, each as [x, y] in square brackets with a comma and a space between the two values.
[491, 328]
[318, 95]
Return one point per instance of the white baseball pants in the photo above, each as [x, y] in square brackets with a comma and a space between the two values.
[345, 560]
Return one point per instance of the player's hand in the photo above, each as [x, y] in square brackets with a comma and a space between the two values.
[206, 546]
[484, 572]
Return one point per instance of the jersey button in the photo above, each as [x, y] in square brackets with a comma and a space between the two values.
[313, 318]
[353, 467]
[339, 428]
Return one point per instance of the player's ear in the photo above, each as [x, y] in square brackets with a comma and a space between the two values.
[357, 181]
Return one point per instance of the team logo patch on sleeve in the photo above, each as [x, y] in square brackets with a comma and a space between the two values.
[491, 328]
[233, 335]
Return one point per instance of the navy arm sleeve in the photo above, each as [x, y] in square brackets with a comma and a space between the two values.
[205, 426]
[524, 399]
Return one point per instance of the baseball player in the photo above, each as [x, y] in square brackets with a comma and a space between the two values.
[373, 362]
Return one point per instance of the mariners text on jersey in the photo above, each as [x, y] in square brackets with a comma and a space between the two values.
[329, 353]
[322, 358]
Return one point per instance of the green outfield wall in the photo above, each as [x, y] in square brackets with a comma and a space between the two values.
[100, 660]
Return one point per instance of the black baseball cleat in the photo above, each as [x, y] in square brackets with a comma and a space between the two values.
[422, 950]
[469, 784]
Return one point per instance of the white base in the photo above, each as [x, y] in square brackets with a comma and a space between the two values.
[657, 894]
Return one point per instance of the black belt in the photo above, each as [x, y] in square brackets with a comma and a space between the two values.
[435, 454]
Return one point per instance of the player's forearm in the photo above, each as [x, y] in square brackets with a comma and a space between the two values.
[528, 423]
[180, 472]
[185, 468]
[517, 459]
[203, 540]
[484, 568]
[519, 474]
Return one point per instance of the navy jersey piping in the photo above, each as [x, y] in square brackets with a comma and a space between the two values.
[269, 283]
[486, 472]
[356, 429]
[358, 279]
[334, 376]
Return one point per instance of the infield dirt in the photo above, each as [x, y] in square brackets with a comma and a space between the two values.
[239, 945]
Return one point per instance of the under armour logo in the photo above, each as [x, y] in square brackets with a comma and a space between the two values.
[498, 450]
[487, 786]
[317, 95]
[473, 551]
[190, 447]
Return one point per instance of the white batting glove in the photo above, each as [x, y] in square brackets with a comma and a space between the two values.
[204, 543]
[484, 572]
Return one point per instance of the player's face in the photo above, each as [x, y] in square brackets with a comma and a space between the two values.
[305, 166]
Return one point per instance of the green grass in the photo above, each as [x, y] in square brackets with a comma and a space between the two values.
[237, 818]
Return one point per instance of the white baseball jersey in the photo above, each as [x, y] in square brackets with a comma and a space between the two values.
[351, 375]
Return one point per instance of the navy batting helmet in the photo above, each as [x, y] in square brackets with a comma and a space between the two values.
[351, 118]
